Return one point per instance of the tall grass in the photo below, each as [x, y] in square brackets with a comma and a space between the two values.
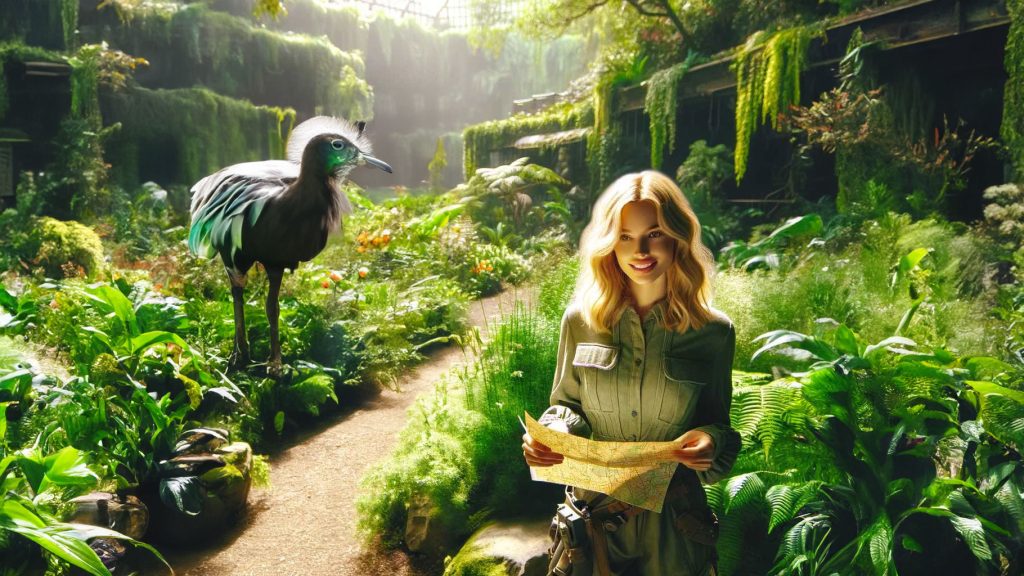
[849, 280]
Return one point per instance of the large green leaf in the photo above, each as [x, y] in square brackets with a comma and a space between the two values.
[744, 490]
[182, 493]
[880, 539]
[59, 539]
[973, 534]
[118, 303]
[140, 343]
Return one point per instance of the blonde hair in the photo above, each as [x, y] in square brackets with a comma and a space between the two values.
[602, 290]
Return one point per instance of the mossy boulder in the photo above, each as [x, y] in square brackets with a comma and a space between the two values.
[504, 548]
[67, 248]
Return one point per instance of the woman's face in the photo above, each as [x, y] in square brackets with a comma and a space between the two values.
[644, 252]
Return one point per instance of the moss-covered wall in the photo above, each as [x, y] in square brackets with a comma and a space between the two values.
[45, 23]
[179, 136]
[428, 83]
[194, 45]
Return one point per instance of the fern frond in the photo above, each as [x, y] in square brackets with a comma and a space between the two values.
[744, 490]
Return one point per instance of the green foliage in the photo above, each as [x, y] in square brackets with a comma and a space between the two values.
[764, 252]
[432, 460]
[702, 177]
[67, 249]
[471, 562]
[846, 274]
[768, 68]
[661, 105]
[437, 166]
[1012, 129]
[880, 414]
[460, 452]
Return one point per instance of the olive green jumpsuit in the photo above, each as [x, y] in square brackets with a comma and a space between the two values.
[643, 382]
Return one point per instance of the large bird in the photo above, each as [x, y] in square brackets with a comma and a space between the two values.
[277, 213]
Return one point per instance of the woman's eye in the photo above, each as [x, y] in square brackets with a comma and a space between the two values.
[623, 237]
[656, 234]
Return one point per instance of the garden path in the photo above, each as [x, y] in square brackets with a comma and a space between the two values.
[305, 523]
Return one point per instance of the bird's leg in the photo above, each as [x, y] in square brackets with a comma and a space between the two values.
[273, 312]
[240, 355]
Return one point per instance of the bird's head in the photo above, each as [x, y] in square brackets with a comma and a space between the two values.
[339, 155]
[332, 145]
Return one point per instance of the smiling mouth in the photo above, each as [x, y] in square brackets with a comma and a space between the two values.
[644, 266]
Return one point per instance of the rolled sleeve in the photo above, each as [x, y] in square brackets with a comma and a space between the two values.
[566, 409]
[712, 414]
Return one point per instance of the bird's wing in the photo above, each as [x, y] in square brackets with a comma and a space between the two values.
[227, 201]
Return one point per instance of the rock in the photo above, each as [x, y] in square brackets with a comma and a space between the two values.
[424, 531]
[126, 514]
[225, 492]
[519, 546]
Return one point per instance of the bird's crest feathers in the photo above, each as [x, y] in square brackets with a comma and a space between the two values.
[306, 131]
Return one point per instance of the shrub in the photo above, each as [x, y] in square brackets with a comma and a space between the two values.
[68, 248]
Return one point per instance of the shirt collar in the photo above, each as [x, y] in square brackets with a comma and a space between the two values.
[657, 312]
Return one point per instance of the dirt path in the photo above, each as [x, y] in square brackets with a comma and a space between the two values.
[305, 523]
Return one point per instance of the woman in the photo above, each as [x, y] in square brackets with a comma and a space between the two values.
[643, 357]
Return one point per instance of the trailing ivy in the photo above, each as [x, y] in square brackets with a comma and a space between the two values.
[480, 139]
[661, 104]
[768, 71]
[1012, 130]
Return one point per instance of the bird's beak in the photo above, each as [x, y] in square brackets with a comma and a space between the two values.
[376, 163]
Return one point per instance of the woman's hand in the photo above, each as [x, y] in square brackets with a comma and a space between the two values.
[696, 450]
[537, 454]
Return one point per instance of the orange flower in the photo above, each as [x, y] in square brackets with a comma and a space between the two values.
[335, 276]
[54, 304]
[361, 249]
[363, 272]
[377, 240]
[325, 284]
[362, 237]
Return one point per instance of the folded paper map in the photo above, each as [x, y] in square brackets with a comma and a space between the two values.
[637, 473]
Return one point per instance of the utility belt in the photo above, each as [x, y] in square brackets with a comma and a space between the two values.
[579, 531]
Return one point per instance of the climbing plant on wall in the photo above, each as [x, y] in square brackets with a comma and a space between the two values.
[768, 68]
[1012, 130]
[661, 104]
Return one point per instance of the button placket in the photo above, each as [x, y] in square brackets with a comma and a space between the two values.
[640, 352]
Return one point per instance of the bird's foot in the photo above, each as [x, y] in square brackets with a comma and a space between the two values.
[239, 360]
[274, 368]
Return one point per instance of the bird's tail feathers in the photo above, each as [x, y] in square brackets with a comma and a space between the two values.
[306, 131]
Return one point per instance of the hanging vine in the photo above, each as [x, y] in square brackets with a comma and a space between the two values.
[662, 105]
[1012, 130]
[768, 71]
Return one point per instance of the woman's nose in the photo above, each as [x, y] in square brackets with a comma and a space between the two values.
[643, 245]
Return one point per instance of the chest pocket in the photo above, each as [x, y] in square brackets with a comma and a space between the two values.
[596, 365]
[685, 378]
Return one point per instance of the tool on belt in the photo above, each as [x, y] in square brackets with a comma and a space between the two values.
[579, 529]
